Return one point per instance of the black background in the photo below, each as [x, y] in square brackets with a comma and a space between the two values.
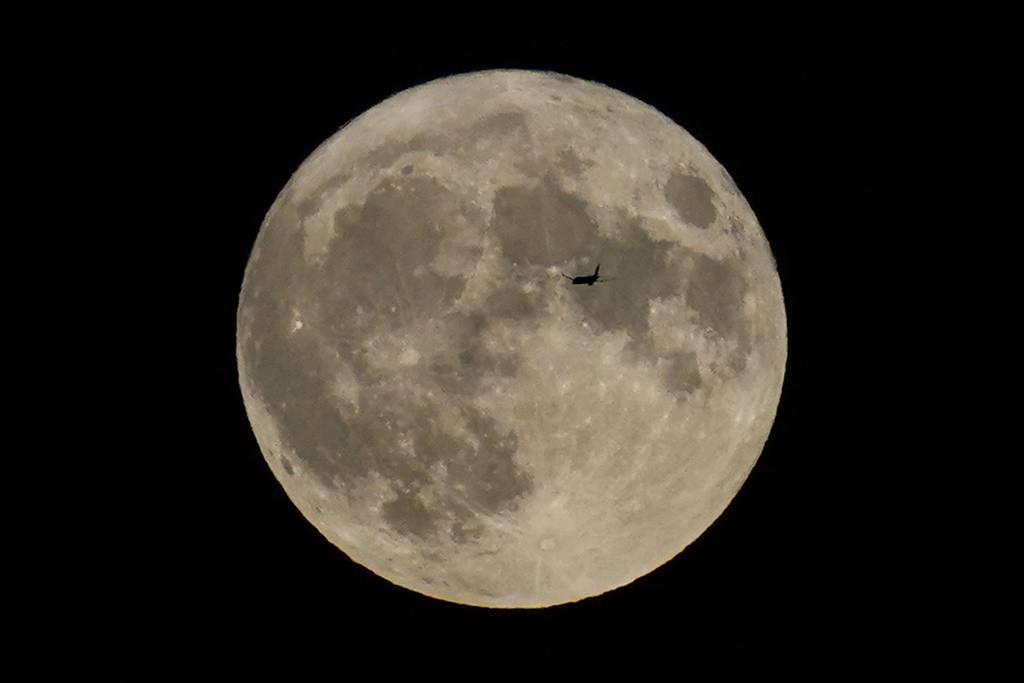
[826, 561]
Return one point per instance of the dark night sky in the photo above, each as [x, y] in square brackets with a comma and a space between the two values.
[201, 562]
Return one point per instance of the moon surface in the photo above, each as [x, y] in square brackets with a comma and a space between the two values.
[448, 409]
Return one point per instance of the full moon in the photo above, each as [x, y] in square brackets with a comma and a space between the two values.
[438, 397]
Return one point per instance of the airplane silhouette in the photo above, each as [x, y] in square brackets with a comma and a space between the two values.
[588, 279]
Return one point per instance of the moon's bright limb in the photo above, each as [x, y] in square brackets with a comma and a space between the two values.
[450, 411]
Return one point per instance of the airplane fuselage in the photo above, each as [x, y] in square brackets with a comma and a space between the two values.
[586, 279]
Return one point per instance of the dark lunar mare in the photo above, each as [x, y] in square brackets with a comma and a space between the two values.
[384, 241]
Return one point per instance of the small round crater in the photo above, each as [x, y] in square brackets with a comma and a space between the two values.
[406, 170]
